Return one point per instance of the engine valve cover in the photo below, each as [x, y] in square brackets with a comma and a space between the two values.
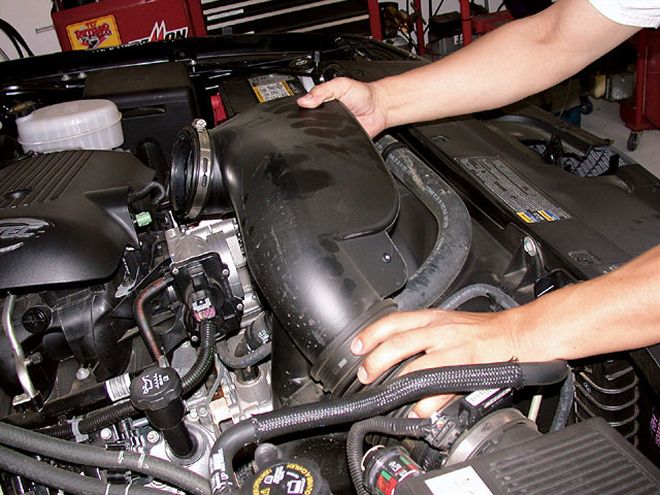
[63, 216]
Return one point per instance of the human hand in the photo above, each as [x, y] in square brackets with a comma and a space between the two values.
[360, 98]
[445, 338]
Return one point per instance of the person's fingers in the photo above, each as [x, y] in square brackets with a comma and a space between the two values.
[332, 90]
[425, 407]
[370, 337]
[393, 350]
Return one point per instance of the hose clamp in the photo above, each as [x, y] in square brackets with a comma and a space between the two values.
[202, 168]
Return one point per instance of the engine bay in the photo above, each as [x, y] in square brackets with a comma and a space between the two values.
[177, 311]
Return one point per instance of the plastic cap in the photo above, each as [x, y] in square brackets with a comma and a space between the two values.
[155, 389]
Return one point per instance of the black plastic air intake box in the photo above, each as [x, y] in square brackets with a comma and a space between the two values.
[588, 458]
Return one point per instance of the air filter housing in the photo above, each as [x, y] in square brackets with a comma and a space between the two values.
[588, 458]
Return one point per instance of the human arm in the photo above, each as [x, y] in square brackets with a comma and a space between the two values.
[615, 312]
[521, 58]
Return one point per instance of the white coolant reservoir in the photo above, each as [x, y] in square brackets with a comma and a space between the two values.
[80, 124]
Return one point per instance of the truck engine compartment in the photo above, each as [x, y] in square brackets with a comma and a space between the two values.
[177, 312]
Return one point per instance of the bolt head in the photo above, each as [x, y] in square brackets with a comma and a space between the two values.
[529, 246]
[153, 436]
[106, 434]
[83, 373]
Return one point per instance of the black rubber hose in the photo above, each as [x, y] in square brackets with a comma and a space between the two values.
[17, 47]
[61, 479]
[142, 320]
[106, 418]
[504, 300]
[152, 186]
[396, 427]
[234, 362]
[378, 400]
[565, 405]
[15, 38]
[112, 415]
[173, 474]
[454, 238]
[93, 423]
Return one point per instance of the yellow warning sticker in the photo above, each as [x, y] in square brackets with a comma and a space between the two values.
[545, 215]
[272, 91]
[100, 32]
[524, 216]
[274, 86]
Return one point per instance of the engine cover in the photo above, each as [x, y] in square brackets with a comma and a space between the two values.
[64, 216]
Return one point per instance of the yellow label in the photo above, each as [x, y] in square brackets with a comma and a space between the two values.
[100, 32]
[272, 91]
[525, 217]
[546, 216]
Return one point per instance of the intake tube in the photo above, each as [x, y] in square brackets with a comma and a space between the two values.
[378, 400]
[454, 237]
[314, 201]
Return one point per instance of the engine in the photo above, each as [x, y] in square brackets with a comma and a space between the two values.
[184, 324]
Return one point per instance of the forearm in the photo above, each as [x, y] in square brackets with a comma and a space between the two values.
[516, 60]
[615, 312]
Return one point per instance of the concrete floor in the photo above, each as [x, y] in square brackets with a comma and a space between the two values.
[605, 122]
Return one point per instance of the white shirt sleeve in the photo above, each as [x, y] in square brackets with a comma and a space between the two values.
[640, 13]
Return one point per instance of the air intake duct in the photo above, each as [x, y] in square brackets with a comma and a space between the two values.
[314, 201]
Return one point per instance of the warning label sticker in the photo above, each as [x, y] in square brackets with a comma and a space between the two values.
[273, 86]
[521, 197]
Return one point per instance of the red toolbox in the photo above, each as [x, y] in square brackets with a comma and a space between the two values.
[120, 22]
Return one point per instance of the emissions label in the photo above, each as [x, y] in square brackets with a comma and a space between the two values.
[274, 86]
[515, 192]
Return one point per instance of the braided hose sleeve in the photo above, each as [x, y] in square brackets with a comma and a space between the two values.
[378, 400]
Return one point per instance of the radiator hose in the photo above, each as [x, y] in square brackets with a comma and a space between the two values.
[454, 237]
[378, 400]
[29, 441]
[67, 481]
